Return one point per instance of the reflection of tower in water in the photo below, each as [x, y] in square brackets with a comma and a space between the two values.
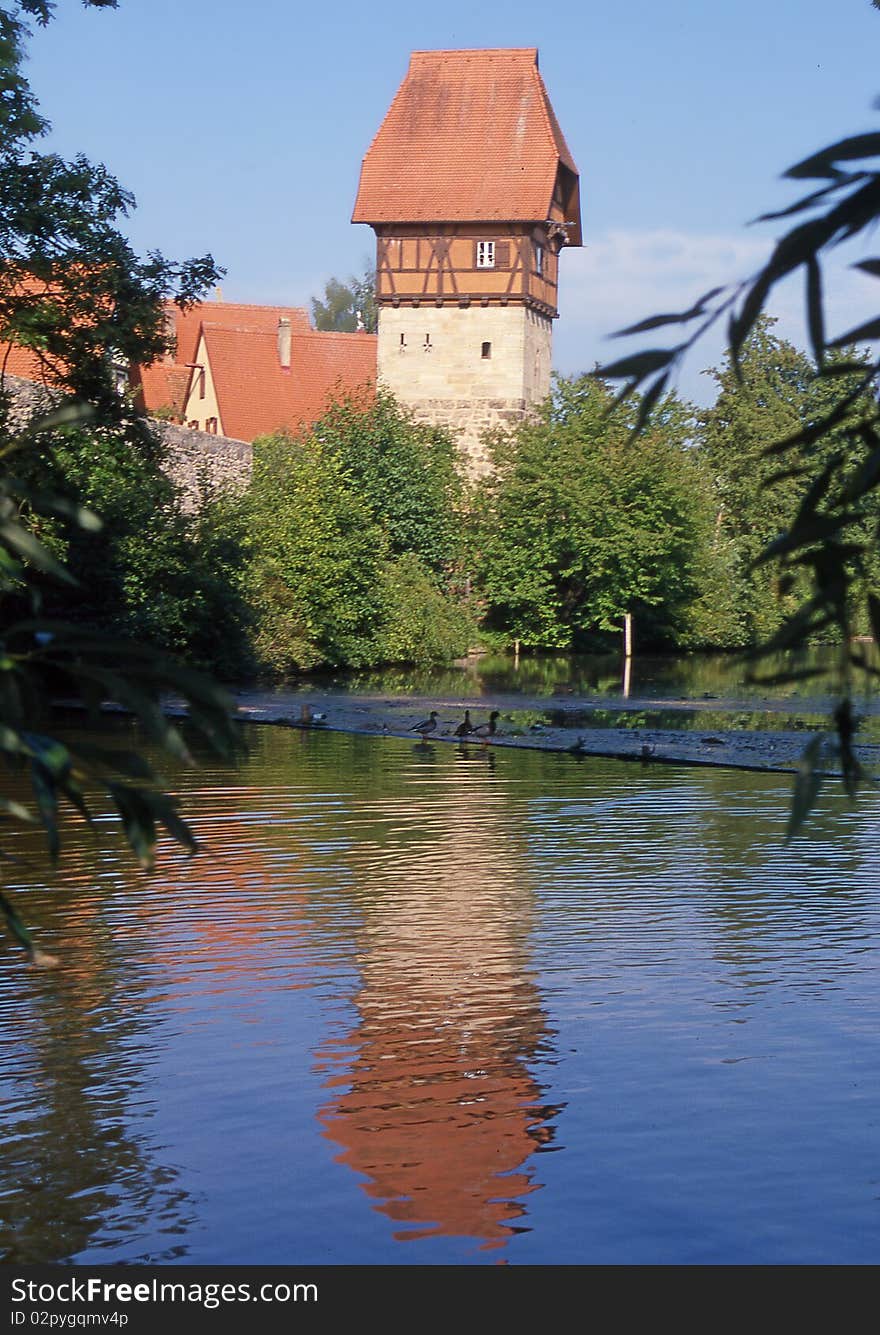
[432, 1099]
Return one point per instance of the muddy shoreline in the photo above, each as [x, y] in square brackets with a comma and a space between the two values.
[562, 724]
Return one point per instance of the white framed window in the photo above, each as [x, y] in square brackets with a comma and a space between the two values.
[485, 254]
[539, 260]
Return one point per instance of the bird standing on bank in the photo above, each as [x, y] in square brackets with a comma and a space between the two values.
[427, 726]
[486, 730]
[465, 727]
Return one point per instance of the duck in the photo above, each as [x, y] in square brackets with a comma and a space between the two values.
[427, 725]
[465, 727]
[487, 730]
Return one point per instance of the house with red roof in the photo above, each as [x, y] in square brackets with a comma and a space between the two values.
[247, 382]
[236, 369]
[245, 371]
[163, 386]
[472, 193]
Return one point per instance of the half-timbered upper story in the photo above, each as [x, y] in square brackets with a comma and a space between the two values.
[469, 184]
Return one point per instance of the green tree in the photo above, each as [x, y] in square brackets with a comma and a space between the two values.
[71, 287]
[153, 570]
[770, 393]
[355, 534]
[830, 538]
[73, 291]
[348, 307]
[316, 559]
[579, 527]
[404, 471]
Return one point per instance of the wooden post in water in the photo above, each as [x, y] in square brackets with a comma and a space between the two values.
[627, 675]
[627, 652]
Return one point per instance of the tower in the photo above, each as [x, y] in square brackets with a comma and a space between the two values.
[472, 193]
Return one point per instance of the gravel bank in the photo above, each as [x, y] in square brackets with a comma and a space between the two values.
[521, 725]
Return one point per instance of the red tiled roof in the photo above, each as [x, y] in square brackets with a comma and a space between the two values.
[256, 396]
[232, 314]
[161, 385]
[16, 360]
[469, 136]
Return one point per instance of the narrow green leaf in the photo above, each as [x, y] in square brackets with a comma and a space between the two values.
[128, 763]
[821, 164]
[863, 332]
[17, 811]
[808, 435]
[75, 796]
[815, 316]
[639, 365]
[49, 503]
[648, 400]
[23, 542]
[816, 529]
[141, 705]
[786, 678]
[874, 616]
[43, 784]
[831, 370]
[807, 620]
[137, 822]
[681, 317]
[15, 924]
[163, 808]
[68, 414]
[808, 201]
[807, 784]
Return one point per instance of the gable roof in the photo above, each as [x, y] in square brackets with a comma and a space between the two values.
[22, 362]
[256, 395]
[232, 314]
[470, 136]
[160, 385]
[163, 384]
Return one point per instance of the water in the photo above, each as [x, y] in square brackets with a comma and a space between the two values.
[426, 1006]
[600, 676]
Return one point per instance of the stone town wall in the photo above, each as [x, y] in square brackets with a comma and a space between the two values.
[196, 460]
[200, 462]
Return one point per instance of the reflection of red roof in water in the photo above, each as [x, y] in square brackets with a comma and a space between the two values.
[438, 1128]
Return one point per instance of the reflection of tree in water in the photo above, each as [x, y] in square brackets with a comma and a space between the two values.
[701, 854]
[432, 1097]
[764, 898]
[73, 1173]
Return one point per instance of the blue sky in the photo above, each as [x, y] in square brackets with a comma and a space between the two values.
[240, 129]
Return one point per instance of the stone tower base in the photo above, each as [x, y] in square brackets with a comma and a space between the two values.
[470, 368]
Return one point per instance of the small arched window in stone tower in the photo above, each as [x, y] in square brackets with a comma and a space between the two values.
[486, 352]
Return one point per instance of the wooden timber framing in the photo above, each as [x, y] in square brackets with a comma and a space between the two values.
[438, 263]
